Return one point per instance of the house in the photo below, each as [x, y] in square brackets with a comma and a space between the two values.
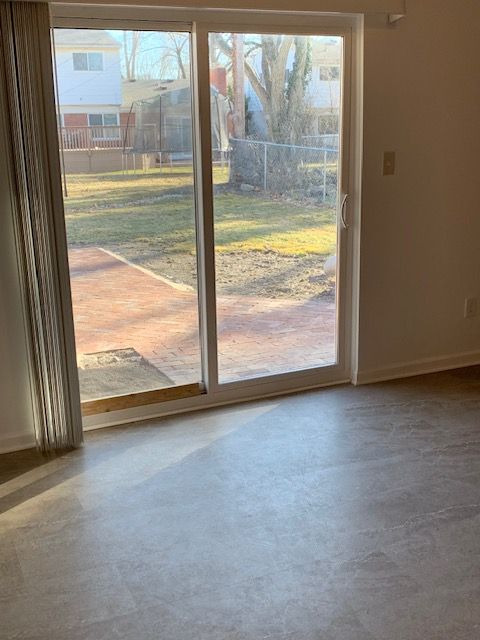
[103, 115]
[325, 85]
[89, 79]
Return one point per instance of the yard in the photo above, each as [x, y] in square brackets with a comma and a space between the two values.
[265, 246]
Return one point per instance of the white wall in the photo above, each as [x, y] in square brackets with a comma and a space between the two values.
[88, 87]
[420, 253]
[16, 417]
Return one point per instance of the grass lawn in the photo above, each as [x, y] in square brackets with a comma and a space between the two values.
[154, 211]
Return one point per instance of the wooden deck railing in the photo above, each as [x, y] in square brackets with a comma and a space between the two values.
[96, 138]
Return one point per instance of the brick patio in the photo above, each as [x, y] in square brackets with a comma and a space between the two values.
[117, 305]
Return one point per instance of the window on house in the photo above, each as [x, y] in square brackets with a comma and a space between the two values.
[87, 61]
[95, 62]
[103, 119]
[95, 119]
[105, 125]
[110, 119]
[329, 73]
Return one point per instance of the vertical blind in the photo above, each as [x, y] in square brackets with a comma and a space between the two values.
[28, 101]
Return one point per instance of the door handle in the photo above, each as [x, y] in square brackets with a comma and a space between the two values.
[343, 210]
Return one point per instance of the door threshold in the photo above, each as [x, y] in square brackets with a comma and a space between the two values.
[204, 401]
[144, 398]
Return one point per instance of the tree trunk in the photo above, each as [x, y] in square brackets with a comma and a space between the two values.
[295, 116]
[238, 78]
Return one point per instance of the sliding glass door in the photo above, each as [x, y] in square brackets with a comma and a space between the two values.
[203, 181]
[124, 103]
[276, 177]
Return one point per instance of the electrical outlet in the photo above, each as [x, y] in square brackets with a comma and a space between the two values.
[471, 307]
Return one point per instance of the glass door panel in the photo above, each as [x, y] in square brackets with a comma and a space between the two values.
[125, 129]
[276, 119]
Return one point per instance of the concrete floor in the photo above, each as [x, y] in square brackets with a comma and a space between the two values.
[343, 514]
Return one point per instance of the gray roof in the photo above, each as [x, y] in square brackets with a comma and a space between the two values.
[85, 37]
[140, 90]
[146, 89]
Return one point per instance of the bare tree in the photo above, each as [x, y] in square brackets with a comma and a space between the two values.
[177, 49]
[279, 86]
[148, 55]
[153, 68]
[131, 45]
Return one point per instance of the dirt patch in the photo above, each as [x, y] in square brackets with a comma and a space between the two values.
[268, 274]
[257, 273]
[117, 372]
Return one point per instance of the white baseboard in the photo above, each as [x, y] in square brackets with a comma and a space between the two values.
[417, 368]
[16, 443]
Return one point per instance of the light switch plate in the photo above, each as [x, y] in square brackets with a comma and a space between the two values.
[471, 307]
[389, 163]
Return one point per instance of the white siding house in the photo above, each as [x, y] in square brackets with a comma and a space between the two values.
[89, 79]
[324, 86]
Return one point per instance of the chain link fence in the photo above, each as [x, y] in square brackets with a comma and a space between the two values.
[299, 171]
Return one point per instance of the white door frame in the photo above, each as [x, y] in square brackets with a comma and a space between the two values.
[200, 23]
